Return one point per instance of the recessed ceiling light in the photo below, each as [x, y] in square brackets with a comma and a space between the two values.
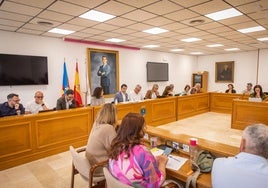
[61, 31]
[263, 39]
[196, 53]
[190, 39]
[231, 49]
[97, 16]
[45, 23]
[177, 50]
[224, 14]
[115, 40]
[151, 46]
[251, 29]
[214, 45]
[155, 30]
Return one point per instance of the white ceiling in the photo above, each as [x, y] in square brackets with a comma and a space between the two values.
[134, 16]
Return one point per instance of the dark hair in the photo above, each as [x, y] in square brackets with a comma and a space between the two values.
[250, 84]
[258, 86]
[123, 85]
[69, 92]
[193, 90]
[166, 91]
[129, 134]
[11, 95]
[231, 85]
[186, 87]
[97, 92]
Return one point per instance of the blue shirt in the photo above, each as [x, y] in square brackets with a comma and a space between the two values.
[245, 170]
[6, 110]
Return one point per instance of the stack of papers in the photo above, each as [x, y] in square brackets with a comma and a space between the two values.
[174, 162]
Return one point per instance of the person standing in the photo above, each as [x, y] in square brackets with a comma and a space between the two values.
[104, 73]
[37, 104]
[66, 101]
[250, 167]
[12, 106]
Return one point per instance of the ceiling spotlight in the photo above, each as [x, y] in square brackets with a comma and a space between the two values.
[45, 23]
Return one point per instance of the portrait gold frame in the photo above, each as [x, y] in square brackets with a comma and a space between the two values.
[94, 57]
[223, 75]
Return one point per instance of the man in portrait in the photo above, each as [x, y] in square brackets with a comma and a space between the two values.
[104, 73]
[225, 73]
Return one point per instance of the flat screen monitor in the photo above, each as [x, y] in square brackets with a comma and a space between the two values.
[23, 70]
[157, 71]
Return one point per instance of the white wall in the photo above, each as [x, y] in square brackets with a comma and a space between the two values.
[245, 69]
[132, 65]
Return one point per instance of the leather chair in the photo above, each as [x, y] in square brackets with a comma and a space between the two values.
[80, 165]
[112, 182]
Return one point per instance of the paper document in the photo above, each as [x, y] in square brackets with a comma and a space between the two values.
[175, 162]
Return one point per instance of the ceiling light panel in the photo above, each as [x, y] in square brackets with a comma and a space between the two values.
[61, 31]
[251, 29]
[193, 39]
[151, 46]
[263, 39]
[214, 45]
[96, 16]
[115, 40]
[231, 49]
[224, 14]
[155, 30]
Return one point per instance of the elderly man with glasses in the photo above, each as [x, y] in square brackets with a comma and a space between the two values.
[33, 107]
[12, 106]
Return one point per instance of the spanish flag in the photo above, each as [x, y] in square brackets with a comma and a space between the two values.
[77, 91]
[65, 80]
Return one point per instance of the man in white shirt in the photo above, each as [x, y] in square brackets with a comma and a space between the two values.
[249, 168]
[248, 90]
[136, 94]
[37, 104]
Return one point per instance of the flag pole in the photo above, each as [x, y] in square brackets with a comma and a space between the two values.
[86, 75]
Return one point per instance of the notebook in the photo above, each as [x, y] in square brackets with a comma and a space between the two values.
[254, 99]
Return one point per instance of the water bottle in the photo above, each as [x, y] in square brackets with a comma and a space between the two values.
[193, 151]
[115, 101]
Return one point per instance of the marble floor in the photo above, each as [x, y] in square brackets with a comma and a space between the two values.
[55, 171]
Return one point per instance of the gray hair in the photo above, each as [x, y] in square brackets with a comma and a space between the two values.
[256, 137]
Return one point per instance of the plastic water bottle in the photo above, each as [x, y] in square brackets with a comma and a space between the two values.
[115, 101]
[193, 150]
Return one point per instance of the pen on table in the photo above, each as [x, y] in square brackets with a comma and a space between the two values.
[170, 156]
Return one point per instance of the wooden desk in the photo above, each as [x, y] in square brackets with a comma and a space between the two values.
[191, 105]
[222, 102]
[218, 149]
[245, 113]
[29, 137]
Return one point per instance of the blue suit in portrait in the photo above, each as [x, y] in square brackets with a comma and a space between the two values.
[104, 73]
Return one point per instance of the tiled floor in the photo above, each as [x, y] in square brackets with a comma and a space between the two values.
[55, 171]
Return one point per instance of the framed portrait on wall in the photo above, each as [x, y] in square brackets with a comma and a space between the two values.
[224, 72]
[103, 70]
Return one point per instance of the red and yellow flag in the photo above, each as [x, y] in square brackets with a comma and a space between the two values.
[77, 91]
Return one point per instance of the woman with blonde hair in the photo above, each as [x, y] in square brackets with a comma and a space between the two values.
[152, 93]
[101, 136]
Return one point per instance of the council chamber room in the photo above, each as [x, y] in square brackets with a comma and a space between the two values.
[90, 90]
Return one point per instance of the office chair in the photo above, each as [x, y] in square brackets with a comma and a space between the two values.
[80, 165]
[112, 182]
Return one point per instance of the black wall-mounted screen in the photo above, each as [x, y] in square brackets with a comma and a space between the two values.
[23, 70]
[157, 71]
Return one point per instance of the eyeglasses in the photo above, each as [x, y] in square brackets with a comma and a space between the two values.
[39, 97]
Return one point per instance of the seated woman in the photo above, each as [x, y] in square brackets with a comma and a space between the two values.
[230, 89]
[101, 136]
[130, 162]
[186, 91]
[97, 97]
[152, 93]
[167, 92]
[258, 93]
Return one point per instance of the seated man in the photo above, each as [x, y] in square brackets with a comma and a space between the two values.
[66, 101]
[122, 95]
[250, 167]
[12, 106]
[248, 90]
[37, 104]
[136, 94]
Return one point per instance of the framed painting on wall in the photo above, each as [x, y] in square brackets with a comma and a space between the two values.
[103, 70]
[224, 72]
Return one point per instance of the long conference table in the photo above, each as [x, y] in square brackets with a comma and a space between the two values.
[29, 137]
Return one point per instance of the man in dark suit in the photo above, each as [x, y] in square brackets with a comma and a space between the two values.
[104, 73]
[122, 95]
[66, 101]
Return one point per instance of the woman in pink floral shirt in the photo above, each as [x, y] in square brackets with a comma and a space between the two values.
[130, 162]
